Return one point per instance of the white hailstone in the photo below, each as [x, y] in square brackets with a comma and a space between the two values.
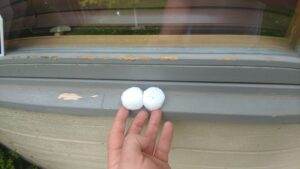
[153, 98]
[132, 98]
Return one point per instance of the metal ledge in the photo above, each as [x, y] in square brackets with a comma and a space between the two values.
[184, 100]
[201, 58]
[220, 74]
[199, 83]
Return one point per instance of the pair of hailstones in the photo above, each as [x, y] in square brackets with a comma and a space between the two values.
[134, 98]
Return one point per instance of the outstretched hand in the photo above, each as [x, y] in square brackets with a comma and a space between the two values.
[132, 150]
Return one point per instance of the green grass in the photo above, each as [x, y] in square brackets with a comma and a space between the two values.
[11, 160]
[113, 31]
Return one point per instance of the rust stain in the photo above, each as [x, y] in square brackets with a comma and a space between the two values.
[88, 58]
[69, 96]
[168, 58]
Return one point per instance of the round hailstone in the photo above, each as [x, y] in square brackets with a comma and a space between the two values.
[132, 98]
[153, 98]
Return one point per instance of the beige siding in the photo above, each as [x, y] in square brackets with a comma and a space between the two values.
[56, 141]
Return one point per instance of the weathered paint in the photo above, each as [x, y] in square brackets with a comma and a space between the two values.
[168, 58]
[88, 58]
[69, 96]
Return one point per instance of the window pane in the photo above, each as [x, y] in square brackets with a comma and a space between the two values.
[28, 18]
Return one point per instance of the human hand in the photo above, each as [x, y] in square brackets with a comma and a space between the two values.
[132, 150]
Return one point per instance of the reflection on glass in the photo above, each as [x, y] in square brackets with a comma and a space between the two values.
[267, 17]
[273, 18]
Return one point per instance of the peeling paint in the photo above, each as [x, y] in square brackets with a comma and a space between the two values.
[168, 58]
[229, 58]
[94, 96]
[69, 96]
[128, 58]
[135, 58]
[88, 58]
[145, 58]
